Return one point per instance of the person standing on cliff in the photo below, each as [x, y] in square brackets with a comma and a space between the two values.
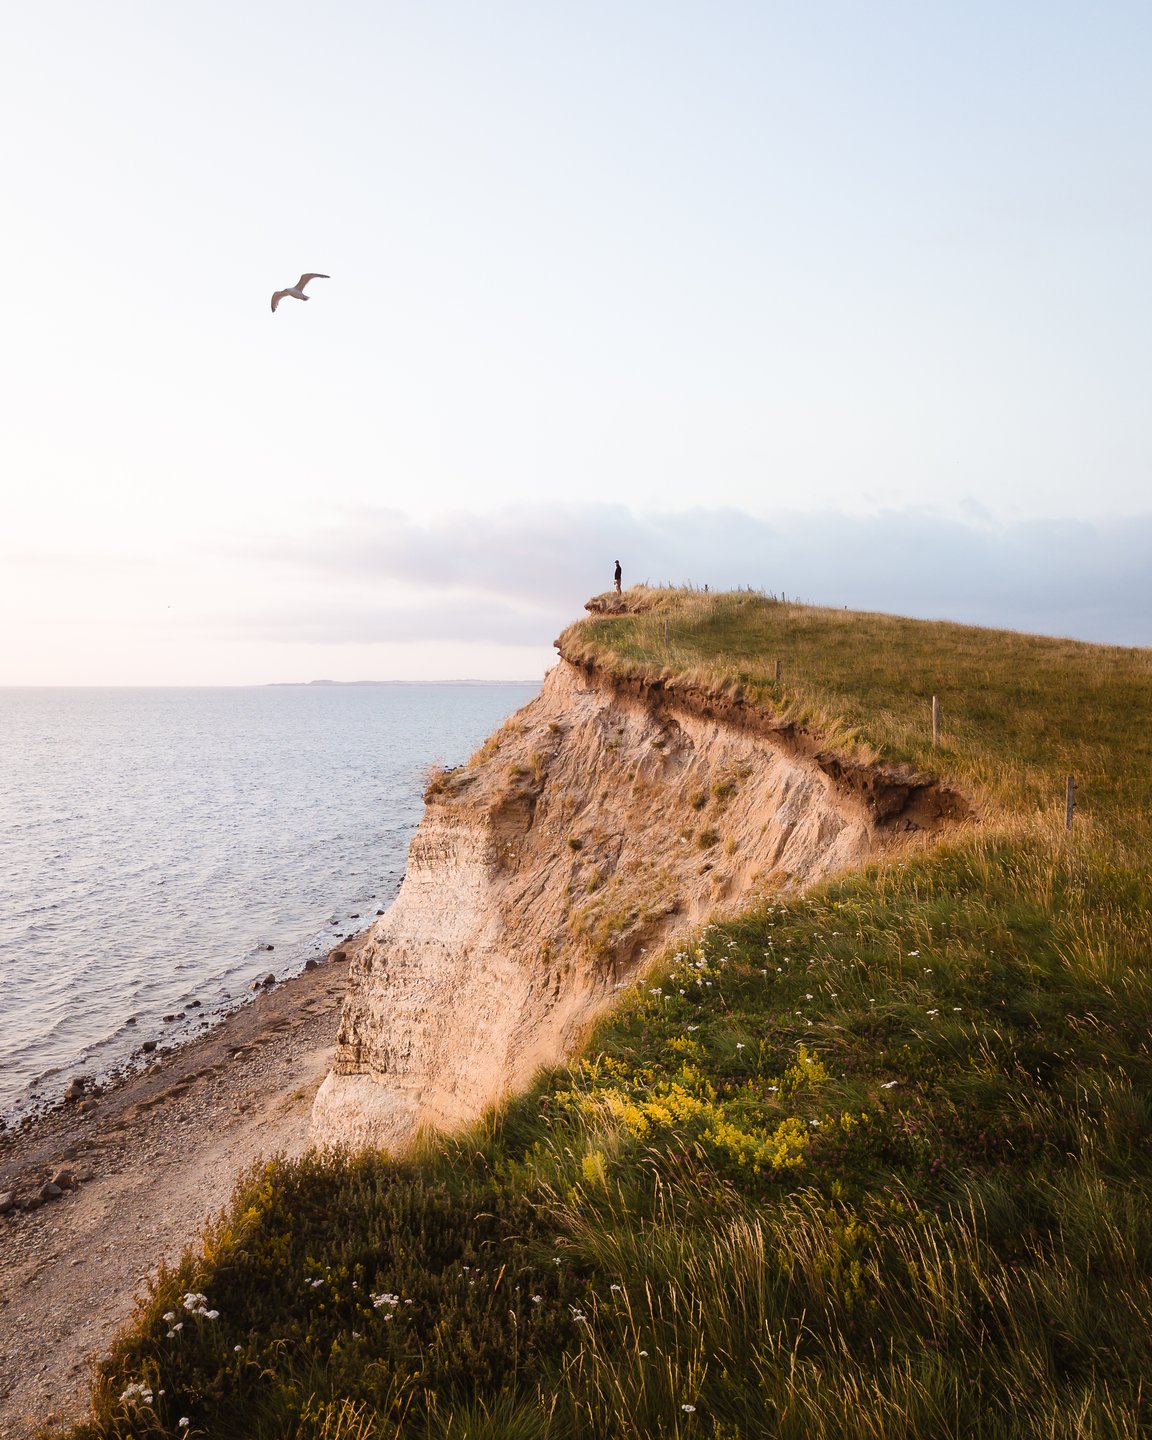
[616, 577]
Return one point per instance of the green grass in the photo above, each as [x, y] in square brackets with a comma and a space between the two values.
[873, 1163]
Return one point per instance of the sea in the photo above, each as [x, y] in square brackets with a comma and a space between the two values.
[160, 847]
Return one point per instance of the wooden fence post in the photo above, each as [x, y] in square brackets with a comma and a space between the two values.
[1069, 801]
[935, 722]
[777, 669]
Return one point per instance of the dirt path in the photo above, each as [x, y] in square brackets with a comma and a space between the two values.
[153, 1159]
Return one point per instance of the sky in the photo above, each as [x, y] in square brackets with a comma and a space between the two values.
[850, 303]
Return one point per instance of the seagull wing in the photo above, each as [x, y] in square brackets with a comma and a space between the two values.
[315, 275]
[276, 299]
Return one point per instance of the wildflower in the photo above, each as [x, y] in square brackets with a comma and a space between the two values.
[170, 1315]
[739, 1045]
[385, 1299]
[955, 1009]
[212, 1314]
[137, 1391]
[615, 1287]
[183, 1422]
[693, 1027]
[689, 1409]
[238, 1348]
[644, 1354]
[807, 997]
[933, 1012]
[536, 1299]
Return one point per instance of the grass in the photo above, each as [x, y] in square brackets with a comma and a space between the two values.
[866, 1164]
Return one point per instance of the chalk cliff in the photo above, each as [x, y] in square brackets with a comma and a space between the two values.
[596, 824]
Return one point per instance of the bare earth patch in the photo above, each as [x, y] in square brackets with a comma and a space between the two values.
[154, 1159]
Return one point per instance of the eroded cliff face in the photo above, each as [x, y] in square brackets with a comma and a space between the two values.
[596, 824]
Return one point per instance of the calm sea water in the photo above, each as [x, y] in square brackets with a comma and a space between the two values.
[153, 841]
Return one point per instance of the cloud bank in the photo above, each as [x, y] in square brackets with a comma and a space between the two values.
[518, 575]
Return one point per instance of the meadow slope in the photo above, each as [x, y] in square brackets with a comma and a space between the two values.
[870, 1162]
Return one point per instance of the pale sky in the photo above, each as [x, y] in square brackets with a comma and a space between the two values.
[850, 301]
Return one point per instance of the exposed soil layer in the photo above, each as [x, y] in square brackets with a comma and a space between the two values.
[606, 818]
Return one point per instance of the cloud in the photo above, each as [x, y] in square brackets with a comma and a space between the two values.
[525, 572]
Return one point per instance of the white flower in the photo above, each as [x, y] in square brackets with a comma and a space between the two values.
[183, 1421]
[739, 1045]
[385, 1299]
[933, 1012]
[536, 1299]
[615, 1287]
[888, 1084]
[212, 1314]
[237, 1348]
[955, 1009]
[690, 1409]
[913, 952]
[170, 1316]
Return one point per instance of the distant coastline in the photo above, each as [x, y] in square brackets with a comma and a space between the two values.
[277, 684]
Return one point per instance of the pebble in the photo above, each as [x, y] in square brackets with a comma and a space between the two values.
[50, 1191]
[75, 1090]
[7, 1202]
[311, 965]
[148, 1046]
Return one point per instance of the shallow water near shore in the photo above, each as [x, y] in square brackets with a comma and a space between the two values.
[156, 842]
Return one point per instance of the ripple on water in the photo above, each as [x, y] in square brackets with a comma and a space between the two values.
[153, 839]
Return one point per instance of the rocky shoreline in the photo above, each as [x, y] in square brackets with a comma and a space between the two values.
[98, 1191]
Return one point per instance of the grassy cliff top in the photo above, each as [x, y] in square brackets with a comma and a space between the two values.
[1019, 713]
[871, 1163]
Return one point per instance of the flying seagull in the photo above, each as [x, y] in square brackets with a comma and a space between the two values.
[297, 291]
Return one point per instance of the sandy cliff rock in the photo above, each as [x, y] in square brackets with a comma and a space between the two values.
[599, 821]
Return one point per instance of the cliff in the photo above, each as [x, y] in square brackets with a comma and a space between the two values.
[601, 821]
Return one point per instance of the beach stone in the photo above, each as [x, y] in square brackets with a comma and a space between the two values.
[75, 1090]
[131, 1020]
[354, 917]
[33, 1202]
[148, 1046]
[194, 1004]
[269, 979]
[379, 912]
[310, 965]
[65, 1178]
[7, 1202]
[50, 1191]
[167, 1019]
[339, 955]
[86, 1106]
